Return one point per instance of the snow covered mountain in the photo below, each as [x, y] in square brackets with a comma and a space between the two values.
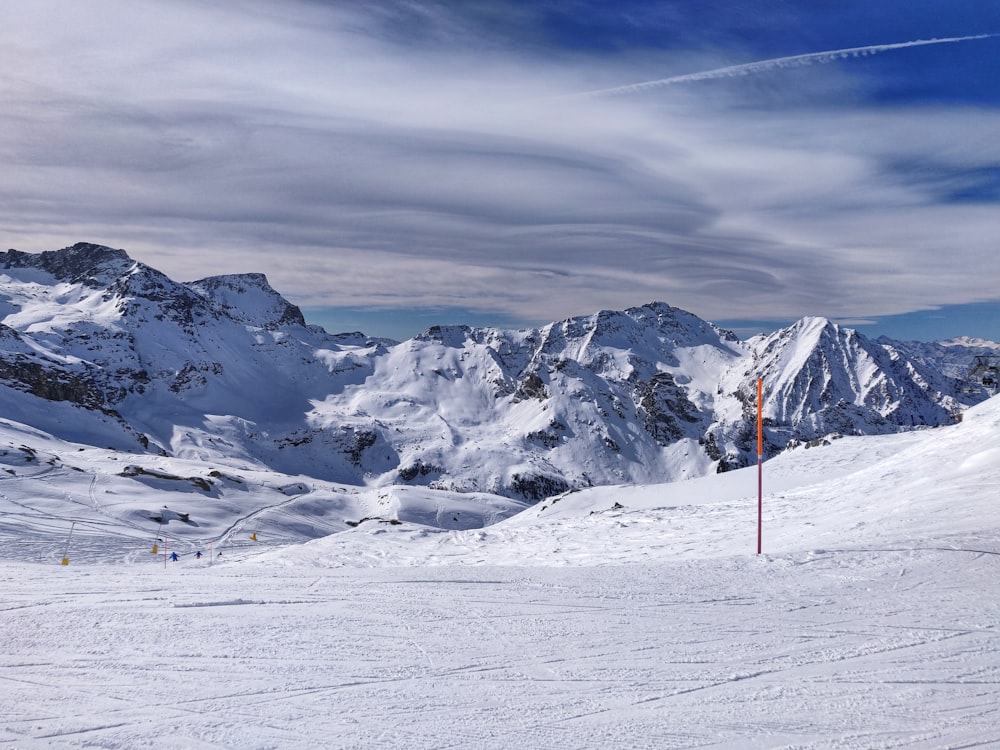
[102, 350]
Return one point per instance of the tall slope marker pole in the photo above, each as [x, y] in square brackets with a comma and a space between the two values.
[760, 461]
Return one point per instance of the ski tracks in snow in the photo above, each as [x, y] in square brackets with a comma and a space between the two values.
[725, 653]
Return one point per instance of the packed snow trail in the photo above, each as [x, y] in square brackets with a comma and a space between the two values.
[853, 649]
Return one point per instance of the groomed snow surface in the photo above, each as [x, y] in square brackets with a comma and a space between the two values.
[618, 617]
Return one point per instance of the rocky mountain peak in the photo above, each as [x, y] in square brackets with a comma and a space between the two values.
[249, 298]
[83, 263]
[449, 335]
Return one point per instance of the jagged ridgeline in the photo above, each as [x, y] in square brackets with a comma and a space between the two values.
[100, 349]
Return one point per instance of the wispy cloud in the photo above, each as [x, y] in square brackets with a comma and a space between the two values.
[305, 141]
[778, 63]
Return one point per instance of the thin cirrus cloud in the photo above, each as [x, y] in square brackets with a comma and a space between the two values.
[302, 140]
[779, 63]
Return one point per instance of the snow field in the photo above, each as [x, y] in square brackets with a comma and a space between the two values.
[615, 617]
[823, 649]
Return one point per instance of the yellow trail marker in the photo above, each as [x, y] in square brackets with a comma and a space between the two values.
[254, 536]
[156, 548]
[65, 557]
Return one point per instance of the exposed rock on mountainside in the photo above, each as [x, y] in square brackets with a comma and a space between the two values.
[101, 349]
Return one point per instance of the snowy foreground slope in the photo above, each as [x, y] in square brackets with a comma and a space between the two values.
[615, 617]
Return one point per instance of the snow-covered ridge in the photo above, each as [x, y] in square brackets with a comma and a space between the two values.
[250, 299]
[100, 349]
[815, 370]
[970, 342]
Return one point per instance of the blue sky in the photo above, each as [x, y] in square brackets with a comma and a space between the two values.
[394, 165]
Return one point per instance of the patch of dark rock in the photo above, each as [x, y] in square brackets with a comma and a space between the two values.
[418, 469]
[137, 471]
[390, 521]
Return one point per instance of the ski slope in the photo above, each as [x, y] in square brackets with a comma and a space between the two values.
[632, 617]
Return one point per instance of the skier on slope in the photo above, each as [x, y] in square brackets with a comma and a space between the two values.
[173, 556]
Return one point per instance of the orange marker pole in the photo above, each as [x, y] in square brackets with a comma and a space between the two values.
[760, 461]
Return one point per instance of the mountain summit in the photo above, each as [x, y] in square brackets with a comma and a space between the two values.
[101, 349]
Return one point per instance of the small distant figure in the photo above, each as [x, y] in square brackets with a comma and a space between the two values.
[173, 556]
[197, 555]
[220, 553]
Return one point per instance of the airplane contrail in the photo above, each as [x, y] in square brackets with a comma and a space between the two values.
[761, 66]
